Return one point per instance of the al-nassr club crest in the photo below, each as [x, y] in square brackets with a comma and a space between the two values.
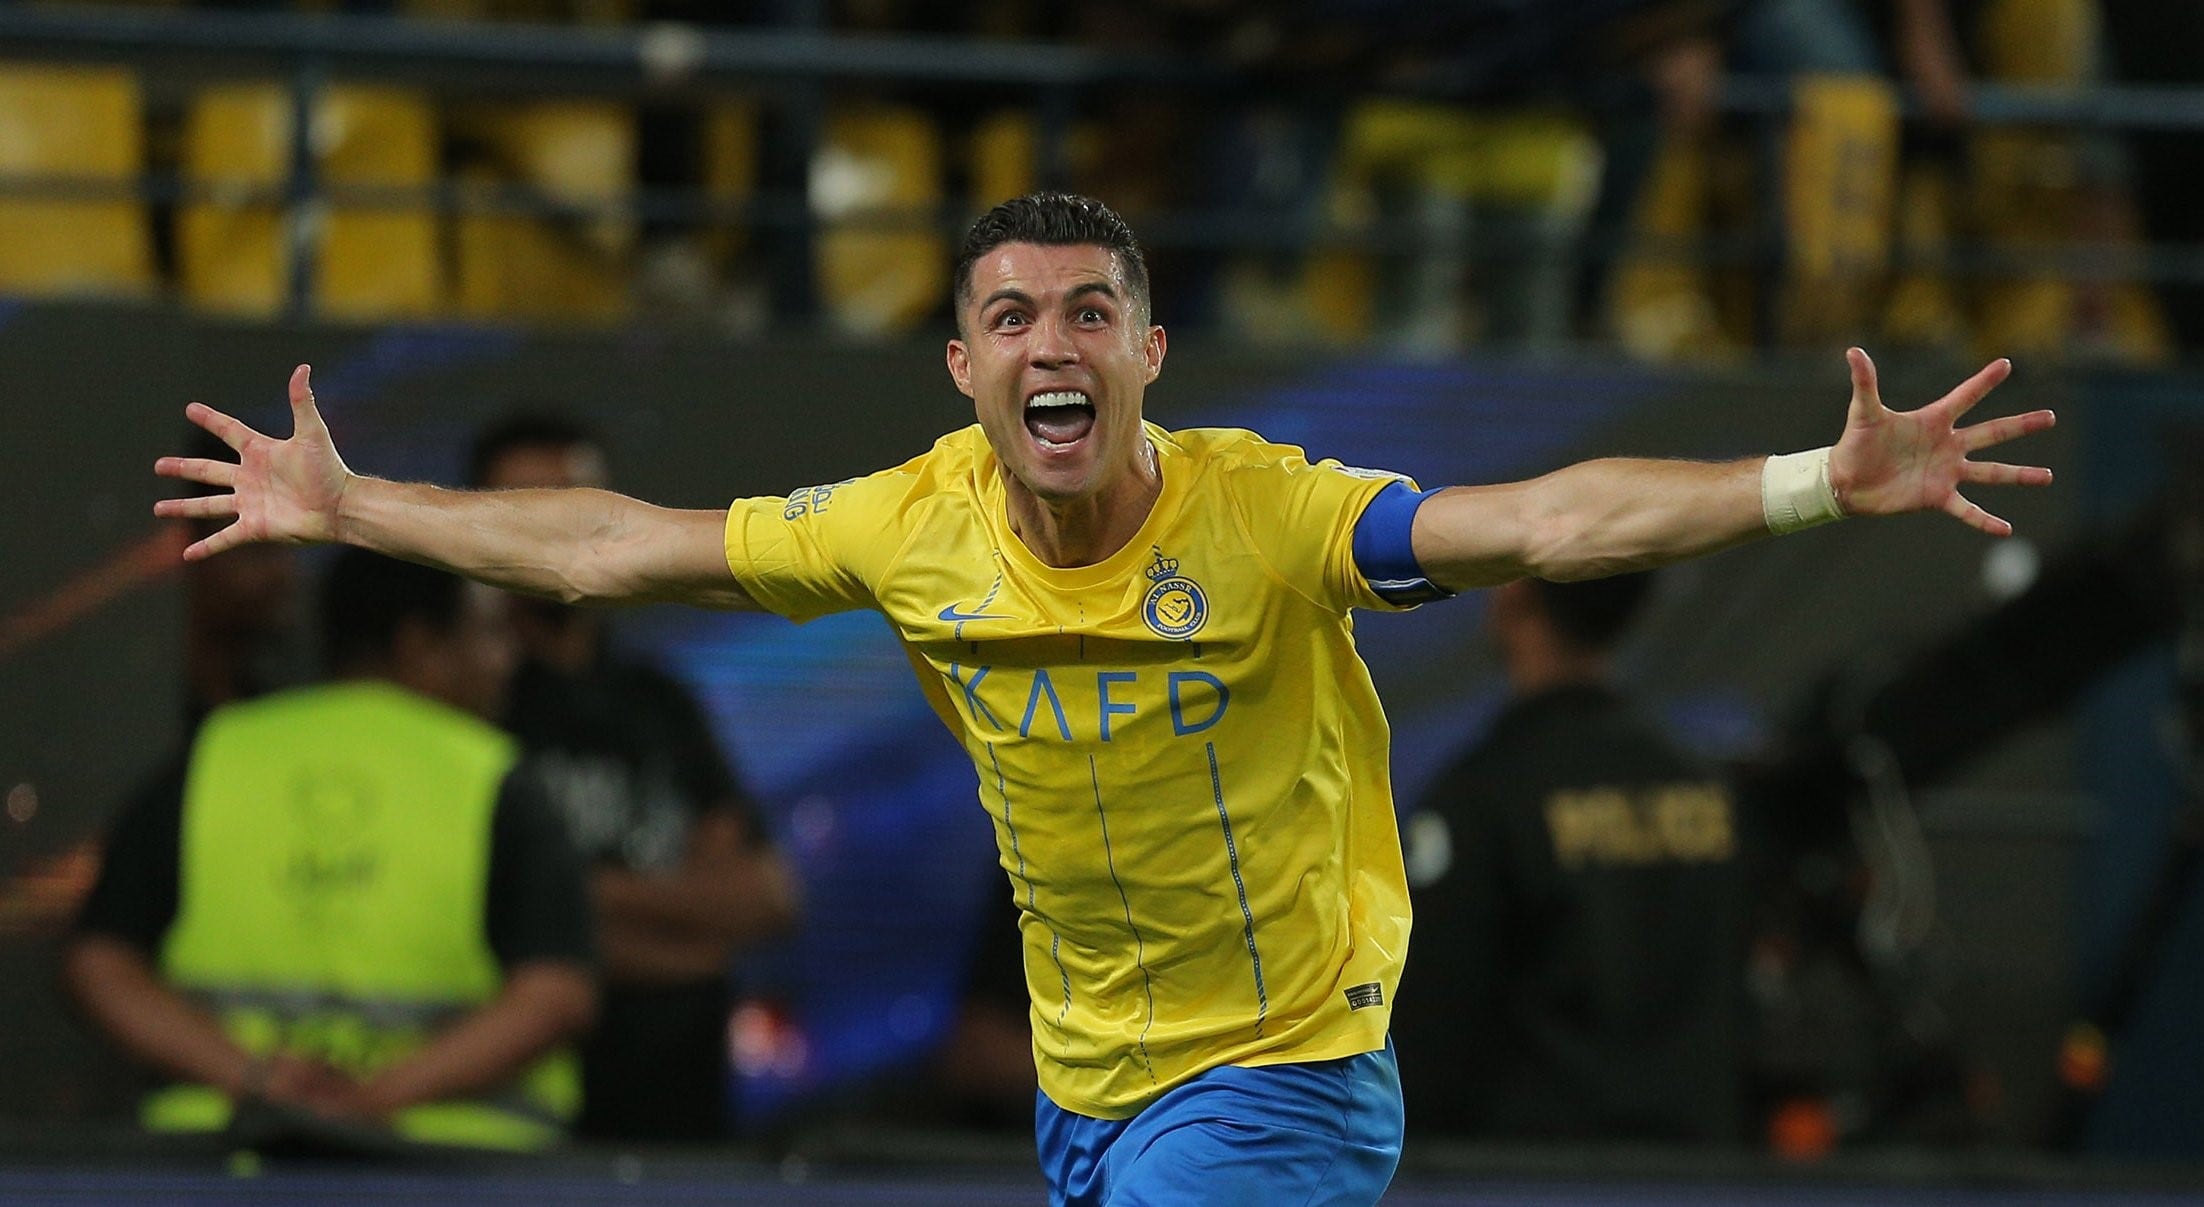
[1175, 606]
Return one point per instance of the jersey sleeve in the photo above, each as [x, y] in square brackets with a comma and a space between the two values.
[821, 549]
[1301, 516]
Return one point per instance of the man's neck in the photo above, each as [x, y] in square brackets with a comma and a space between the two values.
[1083, 532]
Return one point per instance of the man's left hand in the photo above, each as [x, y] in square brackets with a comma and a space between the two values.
[1889, 462]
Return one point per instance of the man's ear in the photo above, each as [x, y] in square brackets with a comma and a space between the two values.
[960, 366]
[1156, 346]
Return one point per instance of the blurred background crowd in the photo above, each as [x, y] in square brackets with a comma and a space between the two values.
[1854, 843]
[1688, 180]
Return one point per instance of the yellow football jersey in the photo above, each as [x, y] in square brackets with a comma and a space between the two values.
[1183, 755]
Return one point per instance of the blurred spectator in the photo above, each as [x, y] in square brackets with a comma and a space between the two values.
[241, 639]
[1869, 237]
[1453, 164]
[982, 1075]
[1577, 973]
[683, 871]
[979, 1075]
[242, 628]
[348, 911]
[1672, 181]
[2154, 44]
[2033, 188]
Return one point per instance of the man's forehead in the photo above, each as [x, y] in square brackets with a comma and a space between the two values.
[1039, 267]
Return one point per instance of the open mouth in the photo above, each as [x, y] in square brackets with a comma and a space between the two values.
[1059, 418]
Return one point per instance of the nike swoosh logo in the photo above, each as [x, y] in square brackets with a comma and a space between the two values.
[951, 614]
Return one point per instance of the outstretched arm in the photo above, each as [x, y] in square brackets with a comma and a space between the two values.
[1610, 516]
[578, 545]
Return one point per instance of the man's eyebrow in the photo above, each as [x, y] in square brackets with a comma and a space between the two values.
[1020, 296]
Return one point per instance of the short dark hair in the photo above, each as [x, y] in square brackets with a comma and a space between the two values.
[533, 428]
[366, 598]
[1052, 220]
[1593, 614]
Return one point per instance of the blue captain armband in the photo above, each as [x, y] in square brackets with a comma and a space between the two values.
[1385, 548]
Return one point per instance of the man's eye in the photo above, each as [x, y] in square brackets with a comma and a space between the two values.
[1091, 315]
[1010, 319]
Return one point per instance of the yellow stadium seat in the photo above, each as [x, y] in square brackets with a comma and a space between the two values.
[1840, 186]
[731, 159]
[1005, 148]
[80, 124]
[1433, 158]
[2035, 189]
[1661, 301]
[876, 184]
[585, 12]
[1003, 159]
[374, 257]
[1923, 308]
[572, 265]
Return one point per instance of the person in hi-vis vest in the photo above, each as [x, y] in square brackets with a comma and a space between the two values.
[352, 907]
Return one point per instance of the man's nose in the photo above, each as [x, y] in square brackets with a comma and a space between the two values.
[1051, 344]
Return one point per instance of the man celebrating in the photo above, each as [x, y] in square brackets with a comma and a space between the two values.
[1142, 638]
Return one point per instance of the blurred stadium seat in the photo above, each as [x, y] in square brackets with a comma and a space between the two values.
[1661, 303]
[2036, 188]
[1004, 153]
[876, 186]
[371, 260]
[1005, 148]
[1840, 185]
[80, 125]
[1437, 169]
[575, 159]
[731, 159]
[586, 11]
[1923, 307]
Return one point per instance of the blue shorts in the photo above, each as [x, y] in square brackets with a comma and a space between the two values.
[1322, 1134]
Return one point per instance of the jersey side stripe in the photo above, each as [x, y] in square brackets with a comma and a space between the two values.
[1247, 916]
[1140, 946]
[1002, 790]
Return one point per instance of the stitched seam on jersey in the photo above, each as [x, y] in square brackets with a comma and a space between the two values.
[1247, 533]
[1247, 916]
[1002, 789]
[1140, 946]
[927, 506]
[992, 591]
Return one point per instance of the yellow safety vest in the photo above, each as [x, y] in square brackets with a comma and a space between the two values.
[335, 861]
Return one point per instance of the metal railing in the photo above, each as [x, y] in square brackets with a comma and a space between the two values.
[793, 68]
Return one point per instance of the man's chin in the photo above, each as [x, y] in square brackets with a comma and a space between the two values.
[1054, 490]
[1057, 473]
[1057, 484]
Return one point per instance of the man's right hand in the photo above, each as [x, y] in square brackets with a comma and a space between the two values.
[313, 1086]
[281, 491]
[576, 544]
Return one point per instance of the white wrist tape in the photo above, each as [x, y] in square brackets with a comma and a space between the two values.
[1795, 491]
